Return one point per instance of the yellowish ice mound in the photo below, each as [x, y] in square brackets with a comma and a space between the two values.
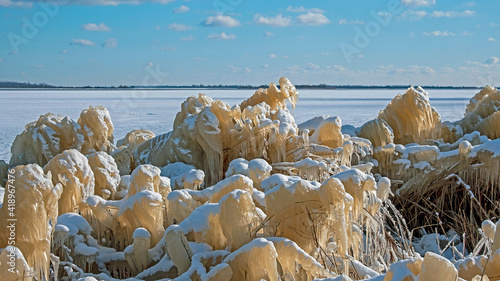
[241, 193]
[209, 134]
[31, 215]
[411, 117]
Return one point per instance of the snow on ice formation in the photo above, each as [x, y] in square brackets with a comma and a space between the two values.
[244, 193]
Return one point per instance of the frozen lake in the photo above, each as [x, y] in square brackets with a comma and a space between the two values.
[155, 110]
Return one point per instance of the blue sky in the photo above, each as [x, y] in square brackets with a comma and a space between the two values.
[178, 42]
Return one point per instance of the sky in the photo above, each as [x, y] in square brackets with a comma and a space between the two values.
[250, 42]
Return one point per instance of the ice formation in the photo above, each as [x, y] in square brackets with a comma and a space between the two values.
[411, 117]
[107, 176]
[124, 153]
[243, 193]
[209, 134]
[143, 206]
[97, 130]
[257, 170]
[71, 169]
[52, 134]
[42, 140]
[29, 216]
[328, 133]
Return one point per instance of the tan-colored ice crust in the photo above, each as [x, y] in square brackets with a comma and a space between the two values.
[244, 193]
[32, 220]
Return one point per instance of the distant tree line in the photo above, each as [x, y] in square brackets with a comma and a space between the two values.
[10, 84]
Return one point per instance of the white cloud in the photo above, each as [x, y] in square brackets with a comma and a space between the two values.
[452, 14]
[325, 54]
[268, 34]
[339, 68]
[412, 69]
[182, 9]
[188, 38]
[418, 3]
[15, 4]
[111, 43]
[29, 3]
[419, 14]
[447, 69]
[491, 39]
[38, 66]
[1, 59]
[274, 56]
[301, 9]
[311, 18]
[179, 27]
[412, 15]
[81, 42]
[492, 60]
[221, 36]
[220, 20]
[235, 69]
[312, 66]
[467, 33]
[345, 21]
[63, 52]
[278, 20]
[96, 27]
[438, 33]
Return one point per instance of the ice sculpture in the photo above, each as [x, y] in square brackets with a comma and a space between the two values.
[378, 132]
[43, 139]
[254, 261]
[123, 155]
[71, 169]
[411, 117]
[436, 267]
[137, 254]
[238, 208]
[257, 170]
[13, 265]
[34, 206]
[134, 138]
[97, 130]
[484, 116]
[209, 134]
[143, 206]
[486, 91]
[328, 133]
[52, 134]
[106, 174]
